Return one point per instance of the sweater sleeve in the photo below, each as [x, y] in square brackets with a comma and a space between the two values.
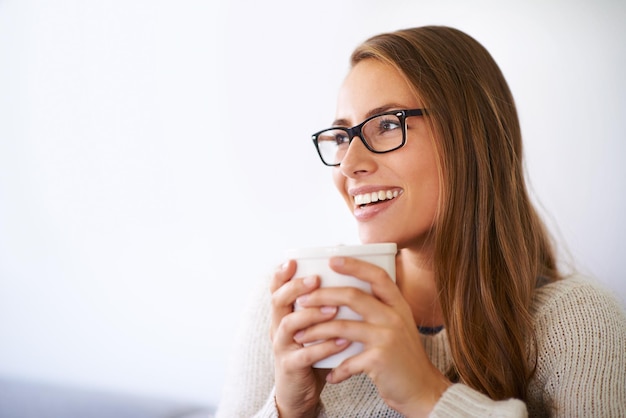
[248, 387]
[462, 401]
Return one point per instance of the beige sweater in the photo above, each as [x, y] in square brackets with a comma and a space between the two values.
[581, 370]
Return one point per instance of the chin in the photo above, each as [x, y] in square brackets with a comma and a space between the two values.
[372, 237]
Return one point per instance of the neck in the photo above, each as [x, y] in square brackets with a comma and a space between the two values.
[416, 280]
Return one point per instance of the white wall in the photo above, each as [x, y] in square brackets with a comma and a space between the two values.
[139, 201]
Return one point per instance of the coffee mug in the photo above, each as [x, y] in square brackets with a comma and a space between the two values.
[314, 262]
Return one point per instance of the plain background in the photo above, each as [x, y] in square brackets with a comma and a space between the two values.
[155, 162]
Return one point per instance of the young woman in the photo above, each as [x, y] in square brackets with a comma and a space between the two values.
[480, 321]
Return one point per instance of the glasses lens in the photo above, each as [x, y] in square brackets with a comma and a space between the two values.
[383, 133]
[333, 145]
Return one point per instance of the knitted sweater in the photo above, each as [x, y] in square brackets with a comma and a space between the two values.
[581, 368]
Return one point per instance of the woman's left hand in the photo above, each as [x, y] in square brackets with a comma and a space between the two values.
[393, 356]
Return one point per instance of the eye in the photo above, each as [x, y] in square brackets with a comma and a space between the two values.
[388, 125]
[341, 138]
[334, 137]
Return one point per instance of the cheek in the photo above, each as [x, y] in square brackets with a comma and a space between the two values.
[424, 183]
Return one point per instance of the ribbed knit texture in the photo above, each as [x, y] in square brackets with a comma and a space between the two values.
[581, 368]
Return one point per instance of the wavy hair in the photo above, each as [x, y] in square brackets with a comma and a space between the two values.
[491, 248]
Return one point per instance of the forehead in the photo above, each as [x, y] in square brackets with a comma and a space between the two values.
[372, 84]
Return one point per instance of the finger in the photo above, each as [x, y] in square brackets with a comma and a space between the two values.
[294, 324]
[359, 331]
[282, 275]
[367, 306]
[367, 362]
[348, 368]
[313, 353]
[382, 285]
[284, 297]
[282, 287]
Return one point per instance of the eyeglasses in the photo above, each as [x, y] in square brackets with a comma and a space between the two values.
[380, 133]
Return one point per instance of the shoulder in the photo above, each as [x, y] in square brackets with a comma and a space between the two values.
[580, 336]
[576, 309]
[579, 317]
[576, 297]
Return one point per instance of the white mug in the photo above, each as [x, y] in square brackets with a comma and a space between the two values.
[314, 262]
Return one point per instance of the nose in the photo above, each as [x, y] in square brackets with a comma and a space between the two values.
[357, 159]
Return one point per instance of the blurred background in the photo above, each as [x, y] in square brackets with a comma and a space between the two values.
[155, 163]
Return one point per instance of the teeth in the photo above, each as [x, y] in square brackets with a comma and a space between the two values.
[364, 199]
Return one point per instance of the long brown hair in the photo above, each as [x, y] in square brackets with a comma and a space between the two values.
[491, 247]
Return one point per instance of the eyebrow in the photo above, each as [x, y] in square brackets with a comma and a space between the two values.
[372, 112]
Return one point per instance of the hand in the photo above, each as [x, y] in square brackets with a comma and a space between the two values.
[393, 355]
[298, 385]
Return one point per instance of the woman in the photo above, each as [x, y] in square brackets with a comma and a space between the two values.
[481, 322]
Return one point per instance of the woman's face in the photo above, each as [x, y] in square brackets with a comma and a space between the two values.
[410, 172]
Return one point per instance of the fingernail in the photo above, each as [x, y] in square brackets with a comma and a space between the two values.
[284, 265]
[338, 261]
[302, 300]
[341, 341]
[298, 336]
[309, 281]
[328, 310]
[281, 268]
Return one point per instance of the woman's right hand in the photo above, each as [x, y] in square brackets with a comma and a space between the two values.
[298, 384]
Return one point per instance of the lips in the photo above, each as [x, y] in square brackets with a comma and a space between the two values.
[369, 201]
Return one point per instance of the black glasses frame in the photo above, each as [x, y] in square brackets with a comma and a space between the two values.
[355, 131]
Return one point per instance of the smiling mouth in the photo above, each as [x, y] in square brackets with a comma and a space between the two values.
[369, 199]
